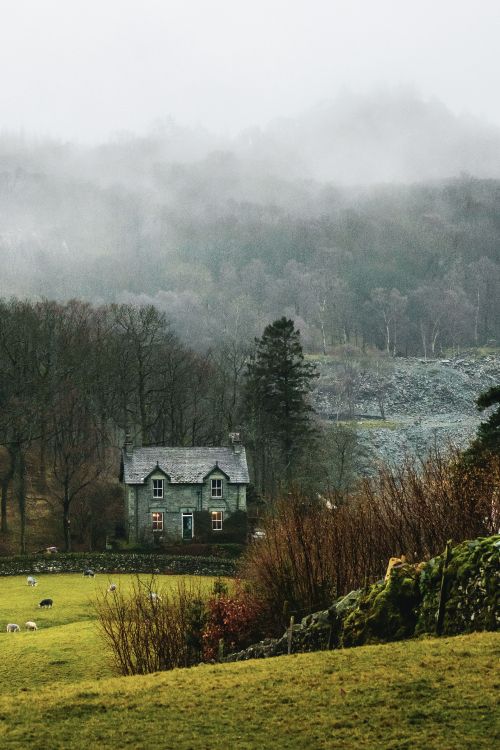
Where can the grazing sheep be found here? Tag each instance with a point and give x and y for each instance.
(112, 587)
(31, 581)
(46, 603)
(30, 625)
(154, 597)
(88, 573)
(13, 628)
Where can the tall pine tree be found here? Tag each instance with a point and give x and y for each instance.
(277, 409)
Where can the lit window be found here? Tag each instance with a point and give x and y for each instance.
(216, 487)
(216, 520)
(157, 521)
(157, 488)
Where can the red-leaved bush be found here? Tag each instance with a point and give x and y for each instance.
(236, 618)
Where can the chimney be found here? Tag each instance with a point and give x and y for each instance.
(235, 440)
(128, 447)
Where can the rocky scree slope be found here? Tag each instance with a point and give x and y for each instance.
(427, 403)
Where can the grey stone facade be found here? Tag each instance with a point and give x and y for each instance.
(165, 487)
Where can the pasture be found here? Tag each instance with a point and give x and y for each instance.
(58, 689)
(418, 695)
(67, 647)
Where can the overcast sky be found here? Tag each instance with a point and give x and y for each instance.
(87, 68)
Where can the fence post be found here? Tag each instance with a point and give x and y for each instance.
(290, 634)
(442, 590)
(220, 654)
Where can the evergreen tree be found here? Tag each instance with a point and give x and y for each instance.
(487, 442)
(278, 413)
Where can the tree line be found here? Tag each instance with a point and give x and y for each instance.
(411, 270)
(75, 378)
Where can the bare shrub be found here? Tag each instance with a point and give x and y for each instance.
(292, 566)
(152, 628)
(316, 549)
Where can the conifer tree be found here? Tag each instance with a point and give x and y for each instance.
(487, 441)
(278, 413)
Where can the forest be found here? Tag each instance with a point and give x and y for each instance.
(138, 274)
(227, 236)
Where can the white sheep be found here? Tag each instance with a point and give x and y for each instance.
(154, 597)
(31, 581)
(13, 628)
(30, 625)
(112, 587)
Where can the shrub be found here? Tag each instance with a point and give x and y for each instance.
(235, 618)
(292, 564)
(152, 628)
(315, 549)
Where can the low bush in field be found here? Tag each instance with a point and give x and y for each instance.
(152, 628)
(234, 620)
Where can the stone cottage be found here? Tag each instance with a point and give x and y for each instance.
(165, 487)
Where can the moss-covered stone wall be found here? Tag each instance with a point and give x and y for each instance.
(406, 604)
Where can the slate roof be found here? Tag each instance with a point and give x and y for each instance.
(184, 465)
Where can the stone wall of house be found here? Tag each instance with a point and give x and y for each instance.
(178, 499)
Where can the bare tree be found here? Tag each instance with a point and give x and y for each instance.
(77, 450)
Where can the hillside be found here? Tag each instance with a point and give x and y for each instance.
(420, 695)
(361, 219)
(426, 403)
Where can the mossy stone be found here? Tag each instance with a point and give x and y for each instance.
(386, 612)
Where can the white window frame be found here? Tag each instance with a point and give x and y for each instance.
(216, 488)
(217, 519)
(157, 520)
(158, 489)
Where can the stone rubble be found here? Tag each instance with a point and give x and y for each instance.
(427, 404)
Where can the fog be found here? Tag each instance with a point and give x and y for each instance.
(88, 69)
(233, 162)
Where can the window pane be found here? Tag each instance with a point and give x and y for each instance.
(216, 487)
(157, 521)
(217, 520)
(157, 487)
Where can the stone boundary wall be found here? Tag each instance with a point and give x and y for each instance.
(404, 605)
(110, 562)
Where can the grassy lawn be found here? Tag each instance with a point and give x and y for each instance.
(57, 689)
(417, 695)
(67, 647)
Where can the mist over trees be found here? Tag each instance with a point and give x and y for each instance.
(225, 236)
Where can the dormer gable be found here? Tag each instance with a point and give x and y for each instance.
(157, 471)
(216, 469)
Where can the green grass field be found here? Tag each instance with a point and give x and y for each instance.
(67, 647)
(56, 690)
